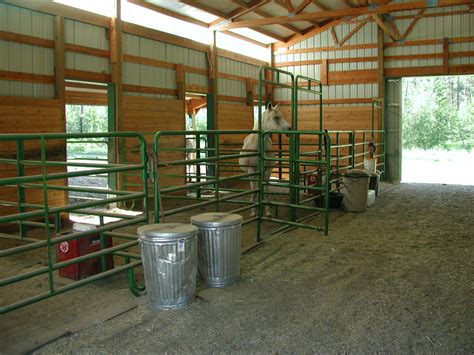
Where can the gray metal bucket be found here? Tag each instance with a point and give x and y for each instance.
(169, 257)
(219, 247)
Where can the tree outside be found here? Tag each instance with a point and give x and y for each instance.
(86, 119)
(438, 129)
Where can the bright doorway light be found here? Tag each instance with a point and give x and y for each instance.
(144, 17)
(438, 130)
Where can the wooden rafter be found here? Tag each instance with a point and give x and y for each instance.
(264, 14)
(355, 11)
(383, 26)
(289, 6)
(301, 7)
(412, 24)
(222, 16)
(314, 31)
(251, 7)
(334, 36)
(394, 28)
(354, 30)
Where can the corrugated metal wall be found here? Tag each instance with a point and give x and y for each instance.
(25, 58)
(230, 87)
(90, 36)
(145, 75)
(366, 35)
(451, 26)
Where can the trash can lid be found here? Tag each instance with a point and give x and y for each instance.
(356, 173)
(167, 231)
(216, 219)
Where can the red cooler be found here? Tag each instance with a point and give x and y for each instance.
(77, 247)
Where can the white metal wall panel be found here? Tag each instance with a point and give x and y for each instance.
(230, 87)
(26, 58)
(146, 75)
(459, 25)
(366, 35)
(83, 34)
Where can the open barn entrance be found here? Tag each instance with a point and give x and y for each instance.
(86, 119)
(438, 130)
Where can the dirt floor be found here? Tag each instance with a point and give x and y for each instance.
(395, 279)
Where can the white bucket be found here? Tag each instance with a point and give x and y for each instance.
(370, 165)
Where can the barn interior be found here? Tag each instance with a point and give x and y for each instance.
(116, 114)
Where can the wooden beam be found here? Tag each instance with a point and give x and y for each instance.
(298, 38)
(380, 64)
(239, 57)
(180, 81)
(355, 11)
(249, 89)
(19, 38)
(334, 36)
(389, 58)
(213, 81)
(324, 72)
(26, 77)
(394, 28)
(289, 6)
(149, 90)
(412, 24)
(301, 7)
(330, 61)
(251, 7)
(60, 67)
(383, 26)
(354, 30)
(328, 49)
(116, 62)
(95, 52)
(83, 75)
(263, 14)
(446, 56)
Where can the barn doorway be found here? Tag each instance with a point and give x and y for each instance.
(86, 119)
(438, 130)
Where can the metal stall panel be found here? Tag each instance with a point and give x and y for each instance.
(25, 58)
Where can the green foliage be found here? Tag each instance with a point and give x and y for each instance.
(438, 113)
(86, 119)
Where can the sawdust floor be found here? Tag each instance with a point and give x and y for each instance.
(397, 278)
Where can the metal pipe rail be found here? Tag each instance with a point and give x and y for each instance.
(35, 152)
(205, 188)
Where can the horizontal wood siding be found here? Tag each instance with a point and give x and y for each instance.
(150, 115)
(22, 115)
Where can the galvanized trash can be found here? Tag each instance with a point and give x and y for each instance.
(356, 188)
(219, 247)
(169, 257)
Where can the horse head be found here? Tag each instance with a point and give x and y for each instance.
(274, 120)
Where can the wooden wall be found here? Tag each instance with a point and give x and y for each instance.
(148, 116)
(24, 115)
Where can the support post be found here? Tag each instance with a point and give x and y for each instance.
(324, 72)
(446, 56)
(116, 63)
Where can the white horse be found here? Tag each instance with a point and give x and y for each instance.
(272, 120)
(190, 155)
